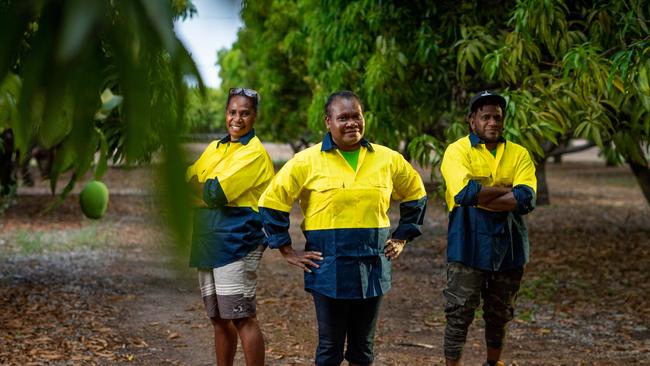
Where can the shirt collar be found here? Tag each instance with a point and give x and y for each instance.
(329, 144)
(244, 139)
(475, 140)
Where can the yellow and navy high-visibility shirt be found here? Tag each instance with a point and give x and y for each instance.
(478, 237)
(345, 214)
(234, 173)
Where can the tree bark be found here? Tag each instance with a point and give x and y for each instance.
(7, 163)
(543, 198)
(642, 174)
(557, 159)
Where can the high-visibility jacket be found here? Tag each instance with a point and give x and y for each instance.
(478, 237)
(234, 173)
(345, 214)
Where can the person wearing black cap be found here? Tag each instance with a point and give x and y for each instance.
(490, 185)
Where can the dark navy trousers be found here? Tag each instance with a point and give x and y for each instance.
(338, 319)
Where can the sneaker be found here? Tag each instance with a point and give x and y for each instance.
(499, 363)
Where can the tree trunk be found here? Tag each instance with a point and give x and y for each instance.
(642, 174)
(7, 161)
(543, 198)
(557, 159)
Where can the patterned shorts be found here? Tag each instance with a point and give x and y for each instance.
(229, 292)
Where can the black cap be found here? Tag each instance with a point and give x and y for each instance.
(494, 97)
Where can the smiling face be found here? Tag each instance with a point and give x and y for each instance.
(487, 123)
(345, 121)
(240, 116)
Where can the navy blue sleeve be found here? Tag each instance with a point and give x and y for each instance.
(276, 226)
(213, 194)
(525, 197)
(468, 196)
(411, 219)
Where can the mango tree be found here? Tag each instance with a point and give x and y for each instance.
(569, 69)
(573, 70)
(83, 77)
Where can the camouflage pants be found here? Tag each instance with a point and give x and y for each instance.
(465, 288)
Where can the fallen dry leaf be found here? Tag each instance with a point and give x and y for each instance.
(173, 335)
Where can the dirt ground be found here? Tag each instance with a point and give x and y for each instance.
(116, 291)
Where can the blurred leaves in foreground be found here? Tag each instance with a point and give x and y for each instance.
(93, 81)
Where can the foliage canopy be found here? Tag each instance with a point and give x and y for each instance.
(568, 68)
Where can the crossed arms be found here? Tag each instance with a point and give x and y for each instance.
(466, 188)
(497, 198)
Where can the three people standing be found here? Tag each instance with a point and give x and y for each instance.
(344, 185)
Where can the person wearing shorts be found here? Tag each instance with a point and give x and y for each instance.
(227, 239)
(229, 291)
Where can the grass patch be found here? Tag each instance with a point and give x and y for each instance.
(533, 292)
(620, 181)
(542, 287)
(25, 242)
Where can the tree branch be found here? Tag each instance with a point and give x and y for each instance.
(569, 150)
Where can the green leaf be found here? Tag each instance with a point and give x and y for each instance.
(159, 14)
(63, 160)
(102, 164)
(401, 58)
(57, 119)
(578, 130)
(61, 198)
(642, 80)
(596, 137)
(35, 70)
(379, 41)
(11, 84)
(15, 23)
(79, 20)
(9, 94)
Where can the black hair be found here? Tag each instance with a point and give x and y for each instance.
(488, 100)
(344, 94)
(255, 100)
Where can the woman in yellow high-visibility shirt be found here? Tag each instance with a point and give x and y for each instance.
(227, 240)
(344, 185)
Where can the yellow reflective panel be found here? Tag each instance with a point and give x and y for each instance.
(512, 166)
(333, 196)
(243, 171)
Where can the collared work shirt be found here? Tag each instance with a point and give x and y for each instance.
(345, 214)
(479, 237)
(234, 173)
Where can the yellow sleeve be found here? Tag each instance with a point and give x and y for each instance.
(455, 169)
(407, 183)
(248, 169)
(525, 172)
(193, 170)
(285, 186)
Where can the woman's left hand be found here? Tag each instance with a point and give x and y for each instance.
(394, 248)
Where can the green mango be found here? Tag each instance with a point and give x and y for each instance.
(94, 199)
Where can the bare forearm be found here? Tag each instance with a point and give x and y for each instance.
(196, 187)
(504, 202)
(488, 194)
